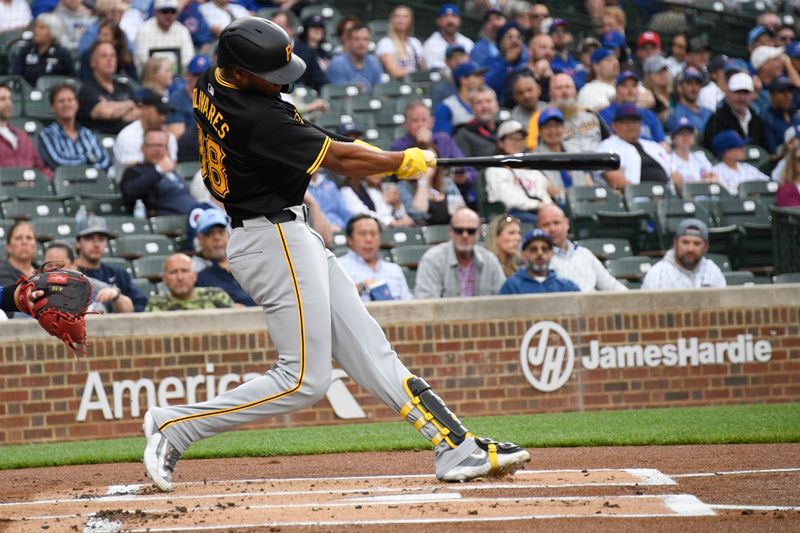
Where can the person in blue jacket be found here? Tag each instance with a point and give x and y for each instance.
(535, 276)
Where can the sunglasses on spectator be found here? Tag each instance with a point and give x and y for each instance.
(168, 10)
(461, 231)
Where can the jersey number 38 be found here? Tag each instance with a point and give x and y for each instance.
(211, 156)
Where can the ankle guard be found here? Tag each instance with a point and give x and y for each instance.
(430, 416)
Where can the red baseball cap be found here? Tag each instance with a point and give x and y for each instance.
(648, 37)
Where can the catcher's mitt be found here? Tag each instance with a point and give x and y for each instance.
(61, 311)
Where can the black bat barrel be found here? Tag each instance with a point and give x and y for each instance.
(593, 161)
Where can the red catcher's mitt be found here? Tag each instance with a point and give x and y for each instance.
(61, 311)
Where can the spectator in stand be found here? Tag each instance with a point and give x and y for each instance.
(163, 31)
(446, 86)
(562, 41)
(485, 49)
(75, 17)
(793, 51)
(459, 267)
(313, 76)
(519, 12)
(368, 195)
(503, 237)
(432, 199)
(698, 53)
(540, 13)
(648, 44)
(110, 32)
(212, 238)
(551, 141)
(419, 133)
(129, 142)
(688, 166)
(541, 52)
(107, 12)
(191, 17)
(20, 253)
(658, 81)
(759, 36)
(157, 77)
(219, 13)
(105, 298)
(16, 148)
(770, 63)
(522, 191)
(791, 141)
(676, 62)
(789, 191)
(90, 244)
(782, 112)
(310, 47)
(455, 110)
(735, 113)
(448, 22)
(180, 279)
(685, 265)
(713, 92)
(356, 65)
(65, 142)
(330, 200)
(583, 128)
(14, 15)
(44, 56)
(154, 180)
(512, 58)
(375, 278)
(627, 93)
(106, 104)
(613, 20)
(601, 91)
(181, 118)
(728, 147)
(688, 88)
(641, 160)
(342, 27)
(535, 275)
(615, 41)
(583, 70)
(571, 261)
(477, 137)
(526, 92)
(400, 52)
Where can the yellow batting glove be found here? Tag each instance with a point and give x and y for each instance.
(415, 162)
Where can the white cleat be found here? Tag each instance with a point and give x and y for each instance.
(160, 456)
(492, 459)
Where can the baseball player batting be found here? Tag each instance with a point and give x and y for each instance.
(258, 155)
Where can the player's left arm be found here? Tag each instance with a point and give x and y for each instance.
(8, 298)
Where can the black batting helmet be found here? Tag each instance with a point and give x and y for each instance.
(260, 47)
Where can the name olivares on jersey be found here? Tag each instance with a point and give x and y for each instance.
(202, 102)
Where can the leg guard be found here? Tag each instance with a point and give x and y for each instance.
(430, 416)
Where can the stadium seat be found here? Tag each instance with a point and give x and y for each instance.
(28, 209)
(128, 225)
(645, 192)
(631, 268)
(334, 91)
(146, 287)
(120, 262)
(37, 105)
(392, 237)
(107, 141)
(83, 181)
(339, 251)
(393, 89)
(721, 260)
(605, 249)
(709, 194)
(136, 246)
(187, 169)
(338, 239)
(5, 225)
(363, 103)
(741, 211)
(328, 12)
(628, 225)
(150, 267)
(723, 239)
(758, 157)
(9, 175)
(436, 234)
(44, 83)
(741, 277)
(672, 211)
(171, 226)
(378, 28)
(19, 87)
(486, 209)
(29, 125)
(50, 228)
(409, 256)
(411, 278)
(389, 117)
(789, 277)
(105, 206)
(763, 190)
(39, 189)
(583, 204)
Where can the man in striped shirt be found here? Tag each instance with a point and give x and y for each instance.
(65, 142)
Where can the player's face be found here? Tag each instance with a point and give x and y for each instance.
(92, 247)
(214, 243)
(509, 238)
(366, 239)
(552, 132)
(527, 92)
(465, 228)
(5, 104)
(65, 105)
(689, 250)
(22, 246)
(179, 276)
(554, 223)
(537, 256)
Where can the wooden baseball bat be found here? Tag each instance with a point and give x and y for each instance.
(590, 161)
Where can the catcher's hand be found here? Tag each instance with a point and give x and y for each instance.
(58, 299)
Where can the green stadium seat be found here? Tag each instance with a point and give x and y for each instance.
(107, 141)
(387, 116)
(411, 278)
(741, 277)
(672, 211)
(51, 228)
(758, 157)
(19, 87)
(136, 246)
(83, 181)
(409, 256)
(334, 91)
(150, 267)
(628, 225)
(721, 260)
(338, 239)
(29, 209)
(741, 211)
(709, 194)
(37, 105)
(10, 175)
(120, 262)
(364, 103)
(723, 239)
(128, 225)
(187, 169)
(393, 89)
(379, 28)
(109, 205)
(339, 251)
(763, 190)
(436, 234)
(171, 225)
(39, 189)
(44, 83)
(392, 237)
(5, 225)
(328, 12)
(605, 249)
(30, 126)
(645, 192)
(146, 287)
(789, 277)
(631, 268)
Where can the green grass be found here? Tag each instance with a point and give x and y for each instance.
(756, 423)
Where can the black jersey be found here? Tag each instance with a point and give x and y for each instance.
(257, 155)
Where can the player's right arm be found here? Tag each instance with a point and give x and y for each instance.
(356, 160)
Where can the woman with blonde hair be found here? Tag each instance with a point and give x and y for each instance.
(658, 80)
(157, 75)
(788, 194)
(400, 52)
(503, 237)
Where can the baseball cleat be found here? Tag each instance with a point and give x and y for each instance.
(160, 456)
(490, 459)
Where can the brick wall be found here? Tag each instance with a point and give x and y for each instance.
(469, 353)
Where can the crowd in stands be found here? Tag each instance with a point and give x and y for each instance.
(676, 109)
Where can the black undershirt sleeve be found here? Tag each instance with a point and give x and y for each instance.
(7, 302)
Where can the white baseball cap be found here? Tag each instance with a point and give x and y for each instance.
(741, 82)
(762, 54)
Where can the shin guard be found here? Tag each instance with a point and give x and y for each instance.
(430, 416)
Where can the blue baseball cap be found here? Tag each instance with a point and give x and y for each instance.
(781, 83)
(736, 65)
(691, 74)
(467, 69)
(677, 125)
(448, 9)
(454, 49)
(198, 65)
(505, 29)
(727, 140)
(793, 49)
(536, 235)
(755, 33)
(627, 75)
(550, 113)
(627, 112)
(557, 23)
(210, 218)
(600, 54)
(612, 39)
(349, 129)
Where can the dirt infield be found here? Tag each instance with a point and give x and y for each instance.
(666, 488)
